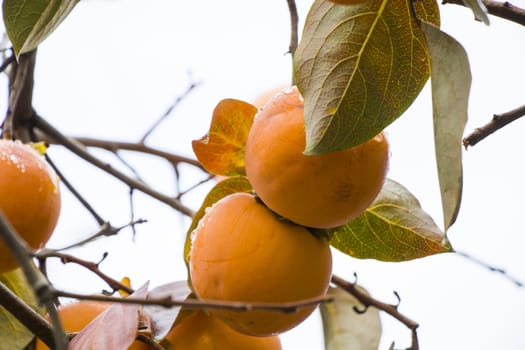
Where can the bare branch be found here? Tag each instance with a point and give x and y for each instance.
(43, 290)
(105, 230)
(503, 10)
(391, 309)
(115, 146)
(6, 63)
(498, 121)
(74, 146)
(499, 270)
(20, 97)
(75, 193)
(168, 111)
(91, 266)
(284, 307)
(26, 315)
(294, 22)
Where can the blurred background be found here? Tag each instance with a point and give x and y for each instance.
(114, 67)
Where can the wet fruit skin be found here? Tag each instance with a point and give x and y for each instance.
(200, 331)
(243, 252)
(29, 196)
(321, 191)
(77, 315)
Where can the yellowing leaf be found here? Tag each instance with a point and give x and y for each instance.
(127, 282)
(221, 190)
(345, 329)
(359, 68)
(450, 80)
(29, 22)
(393, 228)
(221, 151)
(13, 335)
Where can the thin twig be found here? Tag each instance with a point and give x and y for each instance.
(170, 109)
(75, 193)
(498, 121)
(115, 146)
(31, 319)
(499, 270)
(284, 307)
(74, 146)
(41, 287)
(91, 266)
(391, 309)
(294, 23)
(105, 230)
(7, 62)
(503, 10)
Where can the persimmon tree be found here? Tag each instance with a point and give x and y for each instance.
(358, 66)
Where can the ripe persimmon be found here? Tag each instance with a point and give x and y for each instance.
(77, 315)
(321, 191)
(200, 331)
(242, 252)
(261, 99)
(29, 196)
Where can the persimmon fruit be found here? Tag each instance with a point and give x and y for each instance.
(320, 191)
(200, 331)
(242, 252)
(77, 315)
(29, 196)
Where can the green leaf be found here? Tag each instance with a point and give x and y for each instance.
(450, 80)
(13, 334)
(222, 189)
(359, 68)
(393, 228)
(29, 22)
(344, 328)
(479, 10)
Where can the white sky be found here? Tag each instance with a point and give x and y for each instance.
(114, 67)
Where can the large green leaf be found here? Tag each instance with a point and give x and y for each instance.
(29, 22)
(13, 335)
(450, 80)
(393, 228)
(359, 68)
(344, 328)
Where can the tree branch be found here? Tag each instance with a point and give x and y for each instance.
(390, 309)
(498, 121)
(26, 315)
(503, 10)
(115, 146)
(284, 307)
(20, 108)
(7, 62)
(491, 268)
(91, 266)
(55, 136)
(41, 287)
(294, 22)
(168, 111)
